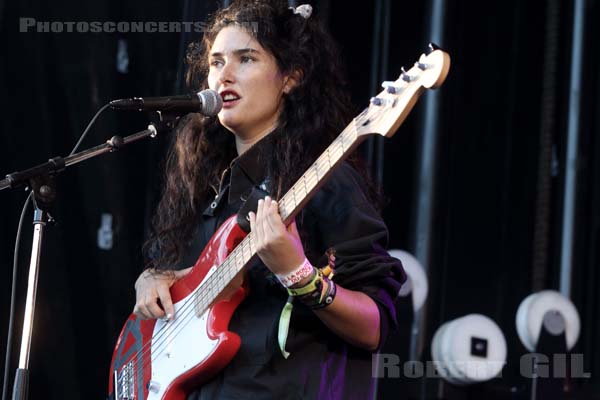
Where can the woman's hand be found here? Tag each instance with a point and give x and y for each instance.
(152, 286)
(278, 247)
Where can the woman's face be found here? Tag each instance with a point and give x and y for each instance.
(249, 81)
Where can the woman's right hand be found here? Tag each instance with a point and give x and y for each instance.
(152, 286)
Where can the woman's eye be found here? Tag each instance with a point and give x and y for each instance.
(216, 63)
(245, 59)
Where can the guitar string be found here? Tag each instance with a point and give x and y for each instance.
(159, 340)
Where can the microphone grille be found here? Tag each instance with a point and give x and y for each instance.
(211, 102)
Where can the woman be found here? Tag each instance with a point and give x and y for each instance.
(276, 70)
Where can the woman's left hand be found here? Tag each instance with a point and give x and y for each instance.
(278, 247)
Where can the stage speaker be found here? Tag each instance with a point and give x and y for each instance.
(468, 350)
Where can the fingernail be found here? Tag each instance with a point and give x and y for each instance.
(168, 317)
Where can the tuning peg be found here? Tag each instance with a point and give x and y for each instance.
(421, 66)
(389, 87)
(376, 101)
(405, 76)
(432, 47)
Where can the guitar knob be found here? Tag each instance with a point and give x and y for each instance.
(421, 66)
(153, 386)
(432, 47)
(405, 76)
(389, 87)
(376, 101)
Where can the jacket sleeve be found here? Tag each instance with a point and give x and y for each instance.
(340, 217)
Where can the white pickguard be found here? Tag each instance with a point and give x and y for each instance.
(178, 345)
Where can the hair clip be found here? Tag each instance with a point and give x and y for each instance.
(304, 10)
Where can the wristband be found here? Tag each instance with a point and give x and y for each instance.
(321, 297)
(315, 284)
(326, 298)
(311, 295)
(303, 271)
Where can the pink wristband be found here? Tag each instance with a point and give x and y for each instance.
(303, 271)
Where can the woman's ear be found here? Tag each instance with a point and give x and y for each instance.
(292, 80)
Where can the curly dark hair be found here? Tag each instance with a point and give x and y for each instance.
(313, 114)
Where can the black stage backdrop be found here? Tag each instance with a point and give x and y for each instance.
(484, 241)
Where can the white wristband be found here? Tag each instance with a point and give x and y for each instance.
(304, 270)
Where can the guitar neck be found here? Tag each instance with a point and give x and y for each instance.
(318, 173)
(304, 189)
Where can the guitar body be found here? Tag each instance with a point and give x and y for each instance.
(154, 359)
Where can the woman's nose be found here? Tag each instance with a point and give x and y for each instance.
(227, 73)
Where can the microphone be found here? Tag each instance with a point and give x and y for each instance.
(207, 102)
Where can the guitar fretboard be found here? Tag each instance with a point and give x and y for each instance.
(301, 192)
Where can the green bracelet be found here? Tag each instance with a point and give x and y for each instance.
(315, 283)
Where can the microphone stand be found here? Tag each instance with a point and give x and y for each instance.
(41, 181)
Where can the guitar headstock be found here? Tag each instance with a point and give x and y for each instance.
(393, 104)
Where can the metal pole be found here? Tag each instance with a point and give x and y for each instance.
(21, 384)
(426, 181)
(570, 187)
(543, 205)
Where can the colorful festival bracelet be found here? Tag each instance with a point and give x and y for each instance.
(312, 295)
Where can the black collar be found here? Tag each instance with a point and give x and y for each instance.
(249, 170)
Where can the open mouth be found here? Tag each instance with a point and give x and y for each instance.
(229, 97)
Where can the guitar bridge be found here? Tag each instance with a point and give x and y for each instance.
(124, 382)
